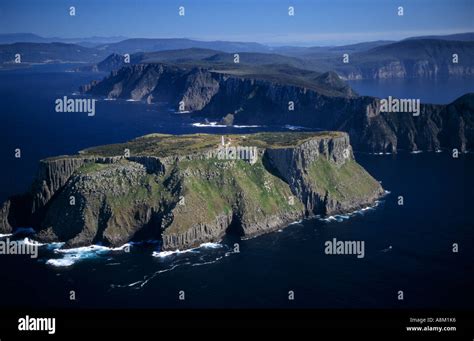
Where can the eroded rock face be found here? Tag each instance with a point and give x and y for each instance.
(5, 227)
(109, 204)
(186, 200)
(296, 166)
(437, 126)
(421, 68)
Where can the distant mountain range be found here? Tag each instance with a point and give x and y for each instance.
(148, 45)
(417, 57)
(34, 38)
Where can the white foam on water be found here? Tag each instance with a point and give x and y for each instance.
(416, 152)
(291, 127)
(61, 262)
(209, 262)
(207, 125)
(28, 241)
(341, 217)
(246, 126)
(6, 235)
(134, 283)
(49, 246)
(216, 125)
(71, 256)
(91, 248)
(163, 254)
(210, 245)
(146, 279)
(54, 246)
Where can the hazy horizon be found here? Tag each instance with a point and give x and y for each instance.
(296, 44)
(321, 23)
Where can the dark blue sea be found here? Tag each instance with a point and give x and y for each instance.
(407, 247)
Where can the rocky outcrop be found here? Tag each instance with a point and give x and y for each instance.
(192, 198)
(295, 165)
(406, 69)
(109, 204)
(197, 234)
(436, 127)
(196, 87)
(53, 174)
(5, 227)
(415, 58)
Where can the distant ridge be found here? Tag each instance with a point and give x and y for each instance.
(468, 36)
(10, 38)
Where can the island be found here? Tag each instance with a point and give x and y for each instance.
(185, 190)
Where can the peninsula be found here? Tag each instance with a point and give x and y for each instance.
(190, 189)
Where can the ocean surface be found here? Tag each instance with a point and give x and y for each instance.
(436, 91)
(407, 247)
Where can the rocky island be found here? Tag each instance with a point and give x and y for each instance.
(190, 189)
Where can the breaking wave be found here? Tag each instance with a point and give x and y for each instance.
(341, 217)
(74, 255)
(204, 254)
(217, 125)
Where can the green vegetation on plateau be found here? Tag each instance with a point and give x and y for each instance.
(162, 145)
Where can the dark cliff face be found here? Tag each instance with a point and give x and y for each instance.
(172, 83)
(328, 104)
(436, 127)
(418, 58)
